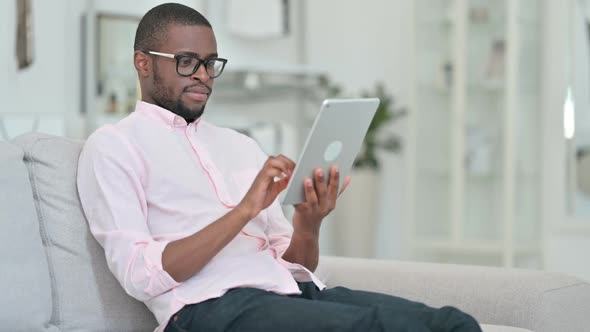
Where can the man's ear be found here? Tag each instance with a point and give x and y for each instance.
(142, 63)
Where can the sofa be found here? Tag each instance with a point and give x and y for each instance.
(54, 276)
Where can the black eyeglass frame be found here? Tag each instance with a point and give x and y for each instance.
(177, 57)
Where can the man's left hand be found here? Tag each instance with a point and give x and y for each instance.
(320, 200)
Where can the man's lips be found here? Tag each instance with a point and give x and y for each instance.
(197, 93)
(197, 96)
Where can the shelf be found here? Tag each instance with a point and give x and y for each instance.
(470, 190)
(528, 175)
(501, 20)
(241, 82)
(495, 20)
(486, 86)
(482, 86)
(444, 20)
(274, 69)
(438, 88)
(482, 177)
(444, 173)
(571, 228)
(433, 171)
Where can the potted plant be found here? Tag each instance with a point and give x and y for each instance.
(375, 138)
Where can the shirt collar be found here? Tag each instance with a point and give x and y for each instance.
(162, 115)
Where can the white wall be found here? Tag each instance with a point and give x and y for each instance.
(343, 35)
(41, 87)
(244, 52)
(136, 8)
(44, 87)
(7, 55)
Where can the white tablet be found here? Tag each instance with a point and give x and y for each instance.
(335, 139)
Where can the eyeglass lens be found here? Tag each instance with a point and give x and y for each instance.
(187, 66)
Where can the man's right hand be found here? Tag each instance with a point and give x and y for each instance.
(185, 257)
(265, 189)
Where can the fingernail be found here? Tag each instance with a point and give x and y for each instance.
(307, 182)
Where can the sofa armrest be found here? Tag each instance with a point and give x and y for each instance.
(535, 300)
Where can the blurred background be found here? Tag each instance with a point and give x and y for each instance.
(481, 150)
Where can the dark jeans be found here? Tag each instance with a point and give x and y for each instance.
(335, 309)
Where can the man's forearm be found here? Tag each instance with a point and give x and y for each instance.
(185, 257)
(304, 246)
(304, 251)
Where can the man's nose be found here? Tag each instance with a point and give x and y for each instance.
(201, 74)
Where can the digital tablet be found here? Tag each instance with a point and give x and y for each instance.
(335, 139)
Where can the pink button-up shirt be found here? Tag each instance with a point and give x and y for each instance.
(151, 179)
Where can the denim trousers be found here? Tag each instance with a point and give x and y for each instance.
(334, 309)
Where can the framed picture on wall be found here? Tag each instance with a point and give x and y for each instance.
(117, 87)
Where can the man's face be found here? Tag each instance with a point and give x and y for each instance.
(184, 96)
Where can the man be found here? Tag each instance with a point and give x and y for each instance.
(187, 212)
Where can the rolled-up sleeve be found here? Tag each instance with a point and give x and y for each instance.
(110, 175)
(279, 229)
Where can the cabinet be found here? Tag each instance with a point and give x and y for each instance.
(474, 132)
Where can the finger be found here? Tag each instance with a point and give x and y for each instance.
(333, 187)
(290, 163)
(267, 181)
(280, 163)
(310, 196)
(268, 173)
(346, 183)
(321, 189)
(278, 186)
(283, 182)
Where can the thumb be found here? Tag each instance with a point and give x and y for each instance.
(346, 183)
(281, 184)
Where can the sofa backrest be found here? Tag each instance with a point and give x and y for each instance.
(25, 303)
(85, 295)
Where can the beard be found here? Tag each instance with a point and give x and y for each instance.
(163, 97)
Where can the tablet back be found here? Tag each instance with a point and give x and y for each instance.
(335, 139)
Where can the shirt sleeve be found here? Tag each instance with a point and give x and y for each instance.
(279, 230)
(113, 199)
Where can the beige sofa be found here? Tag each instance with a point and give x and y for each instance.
(54, 277)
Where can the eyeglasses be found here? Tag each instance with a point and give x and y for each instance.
(186, 65)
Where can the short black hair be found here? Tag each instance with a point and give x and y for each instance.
(153, 26)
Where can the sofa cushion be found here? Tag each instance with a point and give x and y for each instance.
(86, 296)
(501, 328)
(528, 299)
(24, 281)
